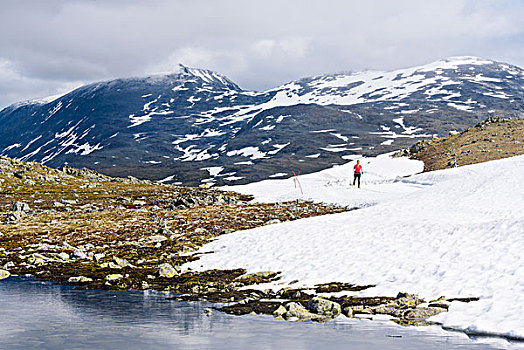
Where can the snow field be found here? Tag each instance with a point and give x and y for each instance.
(453, 233)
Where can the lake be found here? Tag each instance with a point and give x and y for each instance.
(41, 315)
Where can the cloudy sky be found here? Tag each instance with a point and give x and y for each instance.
(47, 47)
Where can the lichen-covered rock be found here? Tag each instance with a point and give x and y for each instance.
(361, 309)
(168, 271)
(422, 312)
(324, 307)
(297, 312)
(114, 277)
(4, 274)
(279, 313)
(79, 279)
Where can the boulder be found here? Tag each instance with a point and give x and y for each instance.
(114, 277)
(168, 271)
(324, 307)
(79, 279)
(297, 312)
(4, 274)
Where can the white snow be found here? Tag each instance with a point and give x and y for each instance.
(251, 152)
(214, 170)
(454, 233)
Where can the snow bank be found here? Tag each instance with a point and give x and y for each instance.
(454, 233)
(381, 180)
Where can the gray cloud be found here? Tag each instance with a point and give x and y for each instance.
(46, 47)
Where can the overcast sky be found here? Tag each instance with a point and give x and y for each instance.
(49, 46)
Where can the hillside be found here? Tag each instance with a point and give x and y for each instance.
(195, 125)
(492, 139)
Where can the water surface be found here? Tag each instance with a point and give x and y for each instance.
(38, 315)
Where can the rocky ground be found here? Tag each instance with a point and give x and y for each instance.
(492, 139)
(81, 228)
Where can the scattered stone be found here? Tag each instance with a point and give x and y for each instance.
(114, 277)
(9, 265)
(63, 256)
(80, 279)
(324, 307)
(168, 271)
(348, 312)
(99, 256)
(79, 254)
(121, 263)
(208, 312)
(21, 206)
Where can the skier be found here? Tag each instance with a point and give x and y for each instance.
(358, 171)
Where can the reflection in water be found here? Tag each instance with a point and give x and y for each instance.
(45, 316)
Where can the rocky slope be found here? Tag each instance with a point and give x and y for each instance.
(196, 125)
(494, 138)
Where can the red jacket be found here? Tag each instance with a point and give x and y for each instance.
(358, 169)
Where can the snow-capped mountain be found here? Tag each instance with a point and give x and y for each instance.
(196, 125)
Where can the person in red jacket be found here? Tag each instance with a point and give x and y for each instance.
(357, 173)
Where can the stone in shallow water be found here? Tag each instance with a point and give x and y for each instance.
(324, 307)
(4, 274)
(79, 279)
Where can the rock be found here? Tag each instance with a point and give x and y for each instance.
(114, 277)
(274, 221)
(279, 313)
(63, 256)
(208, 311)
(99, 256)
(79, 254)
(122, 262)
(297, 312)
(58, 204)
(324, 307)
(422, 312)
(157, 239)
(14, 217)
(4, 274)
(168, 271)
(9, 265)
(80, 279)
(21, 206)
(348, 312)
(396, 307)
(361, 309)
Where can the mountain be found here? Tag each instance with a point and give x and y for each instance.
(196, 125)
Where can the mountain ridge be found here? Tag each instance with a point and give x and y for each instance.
(174, 127)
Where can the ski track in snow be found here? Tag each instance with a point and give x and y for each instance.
(454, 233)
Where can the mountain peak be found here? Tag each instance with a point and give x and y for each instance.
(207, 76)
